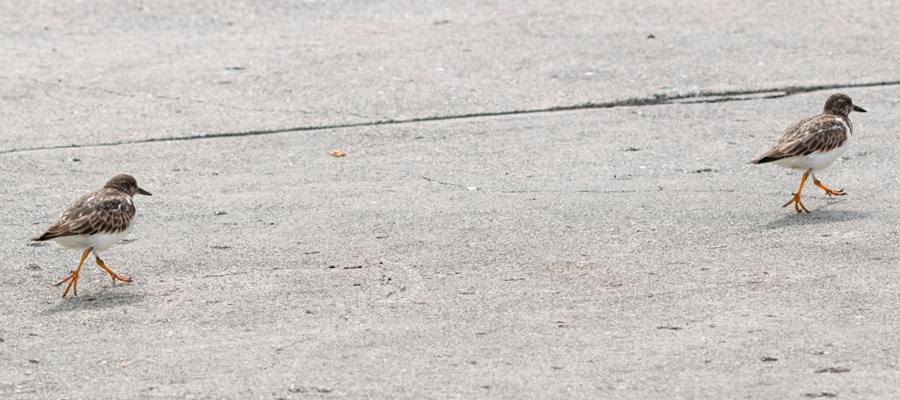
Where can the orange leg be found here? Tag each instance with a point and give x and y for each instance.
(796, 199)
(73, 279)
(111, 273)
(827, 190)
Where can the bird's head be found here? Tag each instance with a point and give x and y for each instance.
(127, 184)
(841, 104)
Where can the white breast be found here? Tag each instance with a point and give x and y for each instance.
(99, 241)
(819, 160)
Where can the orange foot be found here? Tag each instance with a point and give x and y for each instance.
(114, 275)
(827, 190)
(796, 199)
(73, 279)
(797, 203)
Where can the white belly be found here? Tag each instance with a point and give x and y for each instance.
(99, 241)
(816, 161)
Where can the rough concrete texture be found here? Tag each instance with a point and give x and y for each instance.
(563, 252)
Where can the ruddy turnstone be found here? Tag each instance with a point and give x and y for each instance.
(95, 222)
(812, 144)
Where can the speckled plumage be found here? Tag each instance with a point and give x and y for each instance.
(96, 221)
(108, 210)
(822, 133)
(814, 143)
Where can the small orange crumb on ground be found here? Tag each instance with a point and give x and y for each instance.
(338, 153)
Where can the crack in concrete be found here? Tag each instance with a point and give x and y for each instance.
(654, 100)
(443, 183)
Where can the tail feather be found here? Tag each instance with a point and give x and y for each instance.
(44, 236)
(764, 160)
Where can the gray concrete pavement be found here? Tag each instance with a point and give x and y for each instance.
(99, 73)
(627, 252)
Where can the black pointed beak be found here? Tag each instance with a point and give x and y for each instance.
(146, 193)
(858, 108)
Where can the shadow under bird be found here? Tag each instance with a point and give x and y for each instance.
(814, 143)
(94, 222)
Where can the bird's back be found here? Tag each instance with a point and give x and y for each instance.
(104, 211)
(819, 134)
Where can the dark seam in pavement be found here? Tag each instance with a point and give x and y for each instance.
(442, 183)
(656, 99)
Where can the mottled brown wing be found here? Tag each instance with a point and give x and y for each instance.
(98, 212)
(817, 134)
